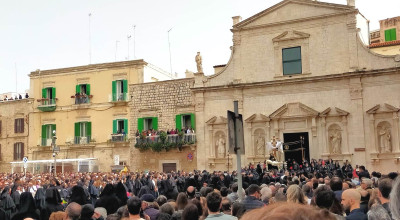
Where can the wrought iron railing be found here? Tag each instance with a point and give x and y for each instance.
(118, 138)
(82, 139)
(171, 138)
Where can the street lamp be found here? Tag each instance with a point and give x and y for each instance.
(54, 147)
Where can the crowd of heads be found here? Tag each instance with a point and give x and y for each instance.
(153, 132)
(16, 97)
(268, 193)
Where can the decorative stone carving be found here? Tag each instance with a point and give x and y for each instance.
(335, 139)
(260, 144)
(199, 63)
(220, 145)
(384, 134)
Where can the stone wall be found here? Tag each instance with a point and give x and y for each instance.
(163, 100)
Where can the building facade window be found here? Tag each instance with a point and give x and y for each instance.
(82, 93)
(0, 127)
(49, 95)
(291, 60)
(18, 151)
(19, 125)
(120, 126)
(48, 134)
(119, 90)
(147, 123)
(390, 34)
(83, 132)
(185, 121)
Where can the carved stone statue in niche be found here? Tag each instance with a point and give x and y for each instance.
(385, 144)
(220, 144)
(260, 144)
(335, 140)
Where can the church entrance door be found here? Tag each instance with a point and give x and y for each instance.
(292, 146)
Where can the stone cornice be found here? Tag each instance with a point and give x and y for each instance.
(91, 67)
(289, 81)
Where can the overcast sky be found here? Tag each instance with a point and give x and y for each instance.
(46, 34)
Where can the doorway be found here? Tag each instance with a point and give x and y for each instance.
(168, 167)
(293, 152)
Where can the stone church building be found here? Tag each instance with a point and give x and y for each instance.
(301, 71)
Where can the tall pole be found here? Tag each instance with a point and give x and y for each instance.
(134, 41)
(116, 49)
(169, 46)
(90, 41)
(129, 37)
(238, 155)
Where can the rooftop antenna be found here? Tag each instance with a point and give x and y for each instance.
(129, 37)
(134, 41)
(116, 49)
(169, 46)
(90, 41)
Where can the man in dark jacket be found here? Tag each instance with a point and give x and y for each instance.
(252, 201)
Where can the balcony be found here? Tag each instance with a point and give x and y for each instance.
(82, 99)
(163, 141)
(82, 139)
(46, 142)
(118, 138)
(47, 105)
(119, 97)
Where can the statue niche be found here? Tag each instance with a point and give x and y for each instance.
(220, 145)
(259, 143)
(384, 137)
(335, 139)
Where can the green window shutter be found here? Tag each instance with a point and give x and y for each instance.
(125, 86)
(155, 123)
(387, 35)
(89, 128)
(140, 123)
(393, 34)
(77, 129)
(193, 121)
(87, 89)
(44, 133)
(53, 92)
(44, 93)
(178, 122)
(78, 89)
(114, 90)
(53, 128)
(126, 126)
(115, 126)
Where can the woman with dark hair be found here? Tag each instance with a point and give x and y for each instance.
(15, 195)
(181, 201)
(78, 195)
(7, 203)
(53, 203)
(238, 209)
(120, 192)
(28, 208)
(144, 190)
(108, 199)
(190, 212)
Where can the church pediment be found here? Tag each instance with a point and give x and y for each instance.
(292, 110)
(257, 118)
(333, 112)
(217, 120)
(290, 35)
(293, 10)
(382, 109)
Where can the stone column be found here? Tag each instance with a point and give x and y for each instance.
(211, 138)
(373, 135)
(250, 139)
(345, 142)
(395, 133)
(324, 138)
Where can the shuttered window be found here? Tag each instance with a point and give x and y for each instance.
(185, 121)
(147, 123)
(19, 125)
(390, 34)
(120, 126)
(119, 90)
(291, 60)
(18, 151)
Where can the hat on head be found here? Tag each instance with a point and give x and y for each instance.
(147, 198)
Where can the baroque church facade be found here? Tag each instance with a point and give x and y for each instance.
(301, 72)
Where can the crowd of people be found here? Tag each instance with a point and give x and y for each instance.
(6, 98)
(322, 190)
(152, 132)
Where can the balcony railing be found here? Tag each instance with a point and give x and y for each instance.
(171, 138)
(82, 139)
(46, 141)
(47, 105)
(118, 138)
(119, 97)
(82, 99)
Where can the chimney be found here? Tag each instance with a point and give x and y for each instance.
(351, 3)
(236, 19)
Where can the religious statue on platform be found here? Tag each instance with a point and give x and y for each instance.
(220, 144)
(335, 139)
(199, 63)
(385, 140)
(275, 148)
(260, 143)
